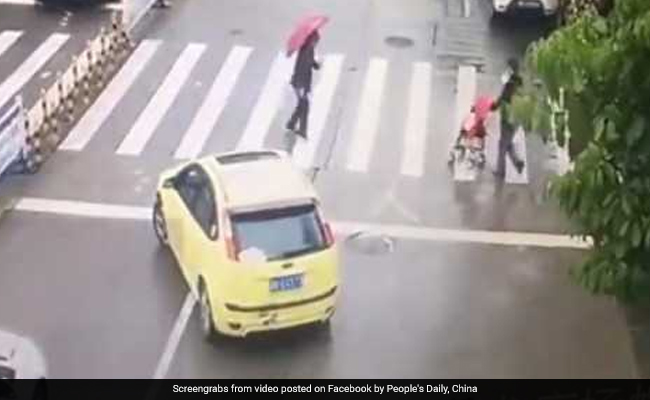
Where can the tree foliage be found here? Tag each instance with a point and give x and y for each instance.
(602, 64)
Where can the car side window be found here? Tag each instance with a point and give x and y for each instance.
(188, 184)
(205, 210)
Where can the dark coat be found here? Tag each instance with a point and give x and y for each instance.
(507, 93)
(303, 69)
(509, 90)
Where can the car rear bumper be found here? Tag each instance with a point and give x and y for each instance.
(523, 6)
(241, 321)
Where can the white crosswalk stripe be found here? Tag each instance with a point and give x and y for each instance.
(466, 93)
(8, 38)
(12, 85)
(110, 97)
(146, 124)
(365, 131)
(252, 128)
(267, 105)
(32, 3)
(305, 151)
(512, 175)
(415, 133)
(216, 100)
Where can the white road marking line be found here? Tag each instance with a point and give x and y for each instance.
(304, 152)
(114, 6)
(502, 238)
(465, 95)
(93, 119)
(83, 209)
(365, 131)
(519, 144)
(31, 65)
(267, 105)
(109, 6)
(110, 211)
(466, 9)
(150, 118)
(175, 337)
(8, 38)
(208, 115)
(415, 136)
(19, 2)
(492, 142)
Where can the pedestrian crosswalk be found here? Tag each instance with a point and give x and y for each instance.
(365, 130)
(253, 84)
(25, 71)
(93, 119)
(417, 119)
(160, 103)
(214, 104)
(267, 105)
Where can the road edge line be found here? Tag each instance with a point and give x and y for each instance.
(449, 235)
(174, 339)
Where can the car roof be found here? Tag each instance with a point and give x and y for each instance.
(255, 180)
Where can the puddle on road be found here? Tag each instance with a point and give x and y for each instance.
(370, 243)
(399, 42)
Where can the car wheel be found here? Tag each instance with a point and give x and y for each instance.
(205, 313)
(495, 17)
(324, 328)
(159, 224)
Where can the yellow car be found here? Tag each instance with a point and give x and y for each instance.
(251, 240)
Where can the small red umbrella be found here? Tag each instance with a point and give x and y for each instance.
(483, 107)
(302, 31)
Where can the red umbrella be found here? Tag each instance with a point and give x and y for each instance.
(305, 28)
(483, 107)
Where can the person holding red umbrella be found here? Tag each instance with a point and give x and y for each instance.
(304, 39)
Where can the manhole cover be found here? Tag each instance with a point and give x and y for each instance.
(399, 42)
(370, 243)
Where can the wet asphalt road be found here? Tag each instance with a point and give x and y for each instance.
(101, 298)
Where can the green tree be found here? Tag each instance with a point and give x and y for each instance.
(602, 64)
(572, 9)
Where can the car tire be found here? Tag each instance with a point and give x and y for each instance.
(324, 328)
(205, 314)
(496, 17)
(159, 224)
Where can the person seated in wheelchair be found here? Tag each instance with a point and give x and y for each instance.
(473, 132)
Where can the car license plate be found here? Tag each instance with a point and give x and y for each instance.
(529, 4)
(284, 283)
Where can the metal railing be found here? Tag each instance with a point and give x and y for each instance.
(86, 73)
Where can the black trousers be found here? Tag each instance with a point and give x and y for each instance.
(300, 114)
(506, 147)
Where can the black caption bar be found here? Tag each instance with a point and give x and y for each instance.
(451, 389)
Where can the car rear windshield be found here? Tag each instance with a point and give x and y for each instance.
(279, 234)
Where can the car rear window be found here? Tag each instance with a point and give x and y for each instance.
(279, 234)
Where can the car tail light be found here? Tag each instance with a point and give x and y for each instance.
(232, 248)
(329, 235)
